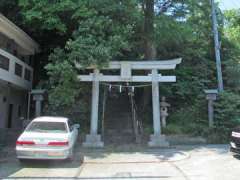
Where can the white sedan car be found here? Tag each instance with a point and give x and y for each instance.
(47, 138)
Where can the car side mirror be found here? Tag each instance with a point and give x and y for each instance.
(77, 126)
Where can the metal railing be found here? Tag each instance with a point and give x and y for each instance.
(137, 123)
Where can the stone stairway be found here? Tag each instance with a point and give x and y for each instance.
(118, 128)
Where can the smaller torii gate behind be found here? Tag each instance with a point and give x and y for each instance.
(157, 139)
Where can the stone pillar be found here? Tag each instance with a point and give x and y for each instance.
(94, 139)
(155, 103)
(38, 97)
(211, 96)
(156, 139)
(210, 113)
(95, 103)
(38, 107)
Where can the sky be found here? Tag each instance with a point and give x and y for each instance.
(229, 4)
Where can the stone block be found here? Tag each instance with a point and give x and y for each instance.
(93, 141)
(158, 141)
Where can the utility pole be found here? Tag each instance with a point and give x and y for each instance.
(217, 47)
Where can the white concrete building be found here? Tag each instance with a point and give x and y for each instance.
(16, 72)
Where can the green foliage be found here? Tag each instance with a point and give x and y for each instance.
(98, 40)
(48, 14)
(227, 109)
(63, 83)
(227, 116)
(94, 32)
(233, 74)
(189, 119)
(233, 26)
(232, 49)
(100, 31)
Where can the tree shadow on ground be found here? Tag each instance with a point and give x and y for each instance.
(10, 166)
(172, 153)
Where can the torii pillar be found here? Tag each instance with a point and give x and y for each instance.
(94, 139)
(157, 139)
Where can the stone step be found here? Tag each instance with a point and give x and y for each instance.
(125, 132)
(118, 126)
(118, 121)
(119, 140)
(118, 111)
(118, 116)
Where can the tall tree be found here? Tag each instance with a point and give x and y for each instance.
(149, 16)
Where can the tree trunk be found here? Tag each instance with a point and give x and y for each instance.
(149, 46)
(149, 49)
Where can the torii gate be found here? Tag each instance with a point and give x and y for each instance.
(157, 139)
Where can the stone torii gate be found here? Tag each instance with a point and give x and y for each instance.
(157, 139)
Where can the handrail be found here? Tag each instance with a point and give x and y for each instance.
(137, 124)
(105, 96)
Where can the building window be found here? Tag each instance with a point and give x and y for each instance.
(4, 63)
(27, 75)
(18, 69)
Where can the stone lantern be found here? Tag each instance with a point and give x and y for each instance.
(164, 111)
(211, 96)
(38, 97)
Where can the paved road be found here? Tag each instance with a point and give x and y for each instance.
(211, 162)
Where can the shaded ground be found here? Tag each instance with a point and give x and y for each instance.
(209, 162)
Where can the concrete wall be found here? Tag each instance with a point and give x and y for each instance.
(16, 97)
(10, 46)
(10, 75)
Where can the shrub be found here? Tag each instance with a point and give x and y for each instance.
(227, 116)
(190, 120)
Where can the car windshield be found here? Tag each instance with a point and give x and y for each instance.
(47, 127)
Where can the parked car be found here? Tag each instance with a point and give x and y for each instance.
(235, 141)
(47, 138)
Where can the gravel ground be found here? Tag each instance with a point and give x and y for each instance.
(203, 162)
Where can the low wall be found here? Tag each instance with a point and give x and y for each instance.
(185, 140)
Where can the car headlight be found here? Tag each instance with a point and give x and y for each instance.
(233, 144)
